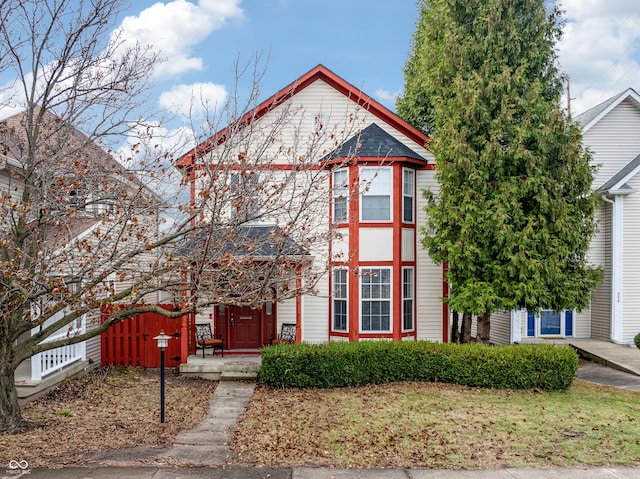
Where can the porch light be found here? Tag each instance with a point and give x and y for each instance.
(163, 342)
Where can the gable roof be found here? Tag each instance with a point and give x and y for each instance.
(595, 114)
(617, 183)
(373, 142)
(322, 73)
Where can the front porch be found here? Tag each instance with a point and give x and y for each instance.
(238, 366)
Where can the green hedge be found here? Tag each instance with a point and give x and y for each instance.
(339, 364)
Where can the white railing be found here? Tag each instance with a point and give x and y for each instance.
(53, 360)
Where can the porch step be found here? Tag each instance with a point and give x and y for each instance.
(218, 368)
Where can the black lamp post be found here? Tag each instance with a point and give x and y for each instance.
(163, 341)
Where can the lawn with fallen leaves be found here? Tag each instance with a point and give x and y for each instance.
(107, 409)
(421, 425)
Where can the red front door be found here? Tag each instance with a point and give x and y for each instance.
(244, 328)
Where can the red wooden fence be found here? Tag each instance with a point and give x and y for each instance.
(130, 342)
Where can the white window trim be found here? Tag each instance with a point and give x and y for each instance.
(563, 323)
(334, 196)
(412, 298)
(365, 187)
(413, 196)
(360, 299)
(333, 298)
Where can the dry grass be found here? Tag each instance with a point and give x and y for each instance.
(394, 425)
(105, 410)
(440, 426)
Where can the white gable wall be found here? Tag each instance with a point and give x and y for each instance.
(614, 140)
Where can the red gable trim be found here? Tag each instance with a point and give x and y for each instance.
(320, 72)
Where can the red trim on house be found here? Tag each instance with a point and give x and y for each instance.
(318, 73)
(298, 305)
(354, 253)
(397, 250)
(445, 305)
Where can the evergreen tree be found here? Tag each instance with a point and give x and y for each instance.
(514, 215)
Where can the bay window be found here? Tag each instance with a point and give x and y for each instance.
(340, 300)
(375, 203)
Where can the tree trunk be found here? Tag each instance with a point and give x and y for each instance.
(465, 333)
(454, 327)
(484, 328)
(10, 418)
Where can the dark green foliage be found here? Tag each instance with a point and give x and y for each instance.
(340, 364)
(636, 340)
(514, 214)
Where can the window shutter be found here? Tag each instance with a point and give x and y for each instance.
(568, 323)
(531, 324)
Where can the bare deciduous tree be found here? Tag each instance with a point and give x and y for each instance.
(81, 232)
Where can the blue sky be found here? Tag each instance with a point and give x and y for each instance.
(364, 41)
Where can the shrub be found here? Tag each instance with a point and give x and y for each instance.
(339, 364)
(636, 340)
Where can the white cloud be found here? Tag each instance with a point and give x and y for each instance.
(386, 97)
(174, 28)
(193, 100)
(600, 49)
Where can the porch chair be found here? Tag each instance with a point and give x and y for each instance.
(287, 334)
(206, 339)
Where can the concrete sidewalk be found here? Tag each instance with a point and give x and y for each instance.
(313, 473)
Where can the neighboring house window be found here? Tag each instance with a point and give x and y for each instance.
(408, 195)
(376, 194)
(550, 323)
(407, 299)
(319, 124)
(244, 195)
(375, 302)
(340, 300)
(340, 196)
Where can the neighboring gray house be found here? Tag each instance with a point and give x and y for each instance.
(611, 131)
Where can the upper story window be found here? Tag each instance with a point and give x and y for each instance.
(340, 196)
(408, 195)
(244, 195)
(375, 204)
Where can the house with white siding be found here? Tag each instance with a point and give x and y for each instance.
(380, 282)
(611, 132)
(375, 280)
(88, 183)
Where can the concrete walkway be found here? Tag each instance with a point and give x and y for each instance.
(208, 443)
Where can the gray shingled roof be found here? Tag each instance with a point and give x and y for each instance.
(586, 117)
(620, 175)
(373, 142)
(249, 240)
